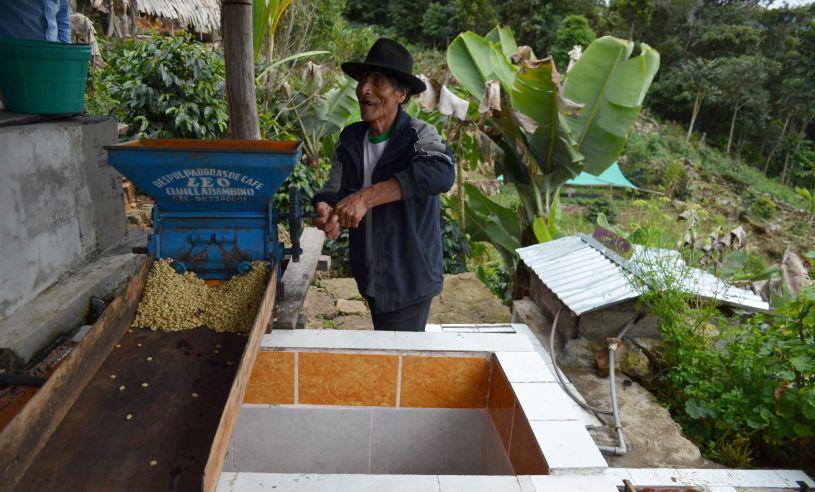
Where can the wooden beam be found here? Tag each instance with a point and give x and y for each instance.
(28, 432)
(297, 279)
(223, 435)
(239, 59)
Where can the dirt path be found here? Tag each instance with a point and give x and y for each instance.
(336, 304)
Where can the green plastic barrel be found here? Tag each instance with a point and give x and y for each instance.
(41, 77)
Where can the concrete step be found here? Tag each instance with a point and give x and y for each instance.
(66, 304)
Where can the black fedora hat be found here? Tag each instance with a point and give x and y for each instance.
(391, 58)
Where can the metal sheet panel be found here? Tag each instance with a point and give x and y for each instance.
(586, 277)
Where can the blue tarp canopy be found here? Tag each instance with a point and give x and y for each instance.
(612, 176)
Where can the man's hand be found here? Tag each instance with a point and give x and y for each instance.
(326, 220)
(352, 209)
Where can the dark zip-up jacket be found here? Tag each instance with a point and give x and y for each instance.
(409, 265)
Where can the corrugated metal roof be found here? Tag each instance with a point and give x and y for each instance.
(587, 276)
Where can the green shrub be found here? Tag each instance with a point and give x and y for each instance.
(573, 30)
(596, 206)
(763, 206)
(675, 179)
(743, 389)
(308, 180)
(164, 87)
(645, 156)
(495, 276)
(454, 243)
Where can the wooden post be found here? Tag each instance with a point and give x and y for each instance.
(240, 74)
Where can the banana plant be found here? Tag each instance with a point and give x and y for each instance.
(319, 115)
(548, 131)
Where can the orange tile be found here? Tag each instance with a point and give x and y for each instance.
(524, 452)
(501, 403)
(444, 382)
(272, 379)
(347, 379)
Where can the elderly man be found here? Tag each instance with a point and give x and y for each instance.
(386, 176)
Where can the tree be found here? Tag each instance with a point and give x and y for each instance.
(699, 78)
(439, 23)
(718, 40)
(402, 16)
(539, 29)
(573, 30)
(633, 13)
(367, 12)
(741, 81)
(475, 15)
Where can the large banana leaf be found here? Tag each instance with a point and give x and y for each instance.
(492, 222)
(537, 94)
(475, 60)
(468, 57)
(503, 37)
(340, 107)
(324, 115)
(611, 85)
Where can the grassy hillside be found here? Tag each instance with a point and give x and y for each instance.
(677, 176)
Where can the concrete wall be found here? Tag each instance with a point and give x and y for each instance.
(60, 200)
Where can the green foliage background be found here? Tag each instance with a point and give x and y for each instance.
(163, 87)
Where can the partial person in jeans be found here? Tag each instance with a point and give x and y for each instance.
(42, 20)
(386, 175)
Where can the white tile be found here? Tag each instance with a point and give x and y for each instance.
(459, 329)
(462, 339)
(279, 482)
(568, 447)
(757, 479)
(439, 441)
(792, 477)
(704, 477)
(524, 367)
(549, 483)
(302, 440)
(618, 475)
(461, 342)
(544, 401)
(330, 339)
(524, 330)
(525, 481)
(589, 419)
(432, 329)
(496, 329)
(475, 483)
(652, 477)
(721, 489)
(225, 481)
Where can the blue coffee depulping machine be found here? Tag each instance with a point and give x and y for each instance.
(213, 212)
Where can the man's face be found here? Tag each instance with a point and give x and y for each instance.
(377, 97)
